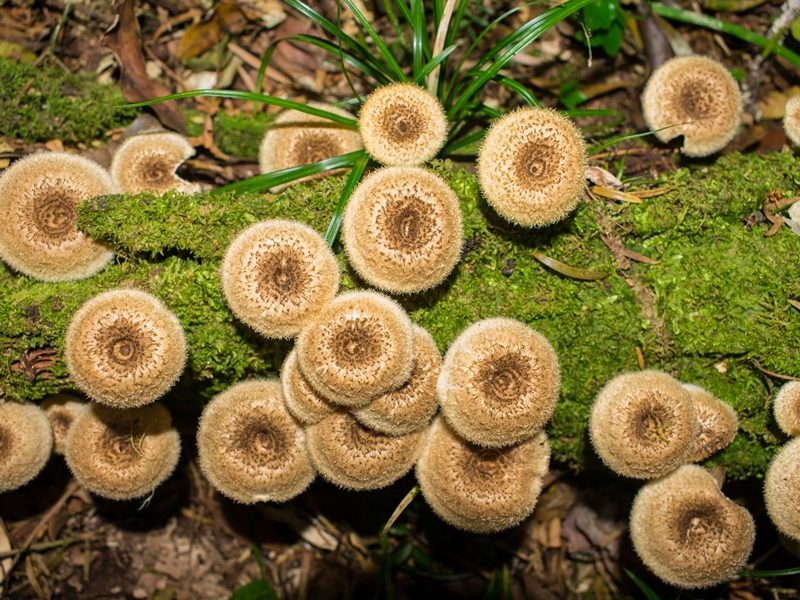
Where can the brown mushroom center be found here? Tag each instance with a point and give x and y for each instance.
(122, 445)
(699, 521)
(356, 343)
(157, 170)
(124, 343)
(401, 123)
(259, 440)
(407, 222)
(6, 444)
(54, 213)
(360, 440)
(504, 378)
(314, 147)
(653, 422)
(282, 275)
(696, 100)
(534, 165)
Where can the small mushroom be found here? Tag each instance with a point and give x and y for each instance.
(147, 163)
(787, 408)
(304, 402)
(61, 411)
(26, 441)
(718, 423)
(791, 119)
(782, 489)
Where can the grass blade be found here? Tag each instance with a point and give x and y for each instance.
(455, 23)
(646, 590)
(385, 53)
(420, 45)
(521, 90)
(433, 63)
(568, 270)
(360, 164)
(459, 143)
(776, 573)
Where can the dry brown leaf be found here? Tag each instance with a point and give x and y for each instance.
(599, 176)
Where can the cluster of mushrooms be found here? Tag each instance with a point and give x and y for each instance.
(782, 483)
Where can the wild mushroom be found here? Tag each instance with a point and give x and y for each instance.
(787, 408)
(791, 119)
(304, 402)
(61, 411)
(718, 423)
(782, 489)
(147, 163)
(26, 441)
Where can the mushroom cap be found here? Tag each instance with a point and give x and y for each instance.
(482, 490)
(782, 489)
(124, 348)
(277, 275)
(402, 229)
(61, 411)
(532, 166)
(787, 408)
(356, 458)
(25, 443)
(401, 124)
(122, 454)
(301, 399)
(38, 232)
(357, 347)
(696, 97)
(687, 532)
(411, 406)
(249, 446)
(718, 423)
(643, 424)
(791, 119)
(499, 383)
(147, 163)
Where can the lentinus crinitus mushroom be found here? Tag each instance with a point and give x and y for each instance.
(147, 163)
(26, 441)
(499, 383)
(277, 274)
(39, 195)
(791, 119)
(249, 446)
(402, 229)
(687, 532)
(61, 411)
(643, 424)
(124, 348)
(718, 423)
(787, 408)
(782, 489)
(477, 489)
(532, 166)
(304, 402)
(402, 125)
(696, 97)
(122, 454)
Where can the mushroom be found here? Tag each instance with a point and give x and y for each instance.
(402, 229)
(696, 97)
(276, 275)
(791, 119)
(499, 383)
(39, 195)
(301, 399)
(124, 348)
(26, 441)
(402, 125)
(61, 411)
(687, 532)
(718, 423)
(532, 166)
(782, 489)
(481, 490)
(250, 448)
(147, 163)
(787, 408)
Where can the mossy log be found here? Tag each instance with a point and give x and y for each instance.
(714, 310)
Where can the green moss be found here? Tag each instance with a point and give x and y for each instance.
(238, 135)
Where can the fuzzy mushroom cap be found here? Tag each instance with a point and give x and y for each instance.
(718, 423)
(356, 458)
(531, 166)
(782, 489)
(301, 399)
(147, 163)
(122, 454)
(356, 348)
(696, 97)
(249, 446)
(39, 236)
(499, 383)
(402, 125)
(482, 490)
(402, 230)
(124, 348)
(25, 443)
(643, 424)
(787, 408)
(277, 275)
(687, 532)
(791, 119)
(61, 411)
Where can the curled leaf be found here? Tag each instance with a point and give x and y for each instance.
(613, 194)
(567, 270)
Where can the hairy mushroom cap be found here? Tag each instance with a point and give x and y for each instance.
(718, 423)
(787, 408)
(277, 275)
(482, 490)
(25, 443)
(301, 399)
(499, 383)
(687, 532)
(122, 454)
(402, 125)
(147, 163)
(402, 230)
(532, 166)
(61, 411)
(782, 489)
(39, 195)
(356, 458)
(643, 424)
(791, 119)
(124, 348)
(356, 348)
(696, 97)
(411, 406)
(250, 448)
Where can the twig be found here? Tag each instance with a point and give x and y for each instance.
(399, 510)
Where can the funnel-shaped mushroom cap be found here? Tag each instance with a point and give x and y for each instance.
(356, 458)
(356, 348)
(402, 125)
(250, 448)
(39, 195)
(402, 229)
(787, 408)
(782, 489)
(25, 443)
(61, 411)
(124, 348)
(791, 119)
(411, 406)
(277, 275)
(643, 424)
(499, 382)
(696, 97)
(718, 423)
(482, 490)
(532, 166)
(302, 400)
(687, 532)
(147, 163)
(122, 454)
